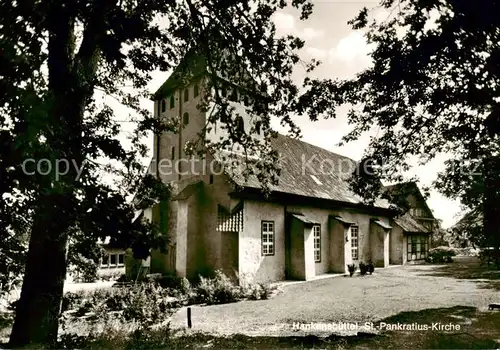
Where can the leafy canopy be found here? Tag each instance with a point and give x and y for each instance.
(432, 87)
(59, 59)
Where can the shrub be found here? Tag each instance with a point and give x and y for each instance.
(169, 281)
(489, 255)
(113, 276)
(217, 290)
(441, 254)
(185, 285)
(352, 268)
(132, 265)
(147, 304)
(258, 291)
(370, 267)
(363, 268)
(467, 251)
(86, 271)
(71, 300)
(142, 305)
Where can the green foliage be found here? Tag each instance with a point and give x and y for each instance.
(351, 268)
(441, 255)
(52, 108)
(217, 290)
(489, 255)
(71, 300)
(258, 291)
(363, 268)
(132, 265)
(143, 305)
(370, 268)
(432, 90)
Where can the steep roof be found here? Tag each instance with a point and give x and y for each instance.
(311, 171)
(191, 64)
(409, 224)
(409, 187)
(473, 218)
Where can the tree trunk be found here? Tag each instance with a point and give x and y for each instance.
(37, 312)
(491, 204)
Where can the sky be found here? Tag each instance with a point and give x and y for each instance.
(343, 52)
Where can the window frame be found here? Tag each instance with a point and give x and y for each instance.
(185, 118)
(172, 102)
(118, 263)
(105, 265)
(196, 90)
(186, 95)
(267, 234)
(417, 241)
(316, 230)
(163, 106)
(354, 248)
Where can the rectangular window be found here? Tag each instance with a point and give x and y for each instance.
(105, 261)
(113, 260)
(267, 237)
(121, 259)
(354, 241)
(317, 242)
(418, 247)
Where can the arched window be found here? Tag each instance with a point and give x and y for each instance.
(196, 91)
(172, 101)
(186, 95)
(185, 118)
(163, 106)
(172, 155)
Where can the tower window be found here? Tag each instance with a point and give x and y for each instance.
(186, 95)
(163, 106)
(172, 101)
(196, 90)
(185, 119)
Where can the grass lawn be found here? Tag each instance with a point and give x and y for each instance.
(388, 292)
(480, 330)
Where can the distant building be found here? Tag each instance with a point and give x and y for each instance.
(113, 262)
(469, 225)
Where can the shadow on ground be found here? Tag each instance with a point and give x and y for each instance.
(469, 268)
(477, 330)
